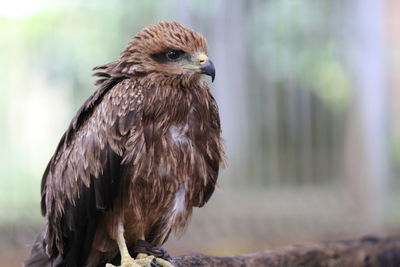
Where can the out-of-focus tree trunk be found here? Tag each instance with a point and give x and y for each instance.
(227, 50)
(367, 146)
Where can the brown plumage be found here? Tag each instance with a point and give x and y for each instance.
(142, 151)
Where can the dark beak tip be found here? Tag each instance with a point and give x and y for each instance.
(209, 69)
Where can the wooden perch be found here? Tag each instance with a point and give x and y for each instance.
(369, 251)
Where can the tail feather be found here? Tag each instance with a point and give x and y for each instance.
(38, 257)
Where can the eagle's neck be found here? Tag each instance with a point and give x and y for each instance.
(172, 100)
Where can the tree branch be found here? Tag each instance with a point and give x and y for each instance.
(369, 251)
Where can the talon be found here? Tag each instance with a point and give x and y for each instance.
(130, 262)
(141, 256)
(143, 261)
(164, 263)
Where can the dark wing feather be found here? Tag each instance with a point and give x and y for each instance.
(209, 145)
(82, 178)
(214, 161)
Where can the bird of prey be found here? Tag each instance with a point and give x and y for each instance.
(140, 153)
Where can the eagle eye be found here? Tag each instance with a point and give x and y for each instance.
(168, 56)
(174, 55)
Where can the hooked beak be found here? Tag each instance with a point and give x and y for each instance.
(209, 69)
(203, 65)
(206, 66)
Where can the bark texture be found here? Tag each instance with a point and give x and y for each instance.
(369, 251)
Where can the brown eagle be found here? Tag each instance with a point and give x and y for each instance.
(140, 153)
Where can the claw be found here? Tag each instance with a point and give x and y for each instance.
(143, 261)
(164, 263)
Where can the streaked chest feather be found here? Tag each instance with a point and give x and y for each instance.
(180, 144)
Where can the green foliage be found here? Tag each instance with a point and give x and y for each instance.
(296, 42)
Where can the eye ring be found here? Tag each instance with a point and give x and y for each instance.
(173, 55)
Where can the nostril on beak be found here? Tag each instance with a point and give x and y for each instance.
(202, 59)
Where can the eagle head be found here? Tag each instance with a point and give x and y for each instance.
(168, 49)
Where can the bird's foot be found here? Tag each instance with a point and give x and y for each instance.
(144, 249)
(154, 260)
(131, 262)
(143, 260)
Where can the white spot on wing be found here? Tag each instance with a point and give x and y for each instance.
(162, 170)
(178, 132)
(179, 201)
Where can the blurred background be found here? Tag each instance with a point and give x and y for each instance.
(309, 95)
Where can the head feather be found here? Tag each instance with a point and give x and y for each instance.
(159, 38)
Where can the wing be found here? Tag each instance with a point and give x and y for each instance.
(81, 180)
(208, 143)
(215, 153)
